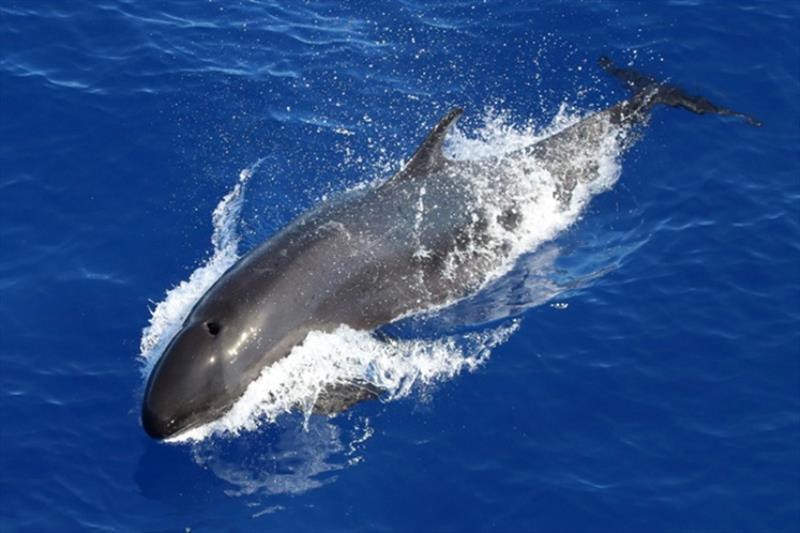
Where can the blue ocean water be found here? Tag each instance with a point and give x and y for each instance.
(660, 393)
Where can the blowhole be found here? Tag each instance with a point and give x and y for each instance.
(213, 327)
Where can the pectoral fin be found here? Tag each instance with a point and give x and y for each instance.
(339, 397)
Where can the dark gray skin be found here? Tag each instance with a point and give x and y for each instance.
(354, 261)
(363, 261)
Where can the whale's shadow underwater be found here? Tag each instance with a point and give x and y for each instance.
(423, 238)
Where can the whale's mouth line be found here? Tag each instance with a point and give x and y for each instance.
(407, 367)
(196, 422)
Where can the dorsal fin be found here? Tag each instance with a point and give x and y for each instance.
(429, 157)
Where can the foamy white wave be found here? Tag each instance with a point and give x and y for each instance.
(348, 356)
(168, 315)
(528, 185)
(399, 368)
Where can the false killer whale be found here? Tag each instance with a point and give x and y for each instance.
(420, 239)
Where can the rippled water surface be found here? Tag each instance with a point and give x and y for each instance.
(635, 368)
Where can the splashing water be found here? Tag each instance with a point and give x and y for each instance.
(401, 367)
(345, 356)
(169, 314)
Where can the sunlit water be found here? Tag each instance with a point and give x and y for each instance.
(630, 365)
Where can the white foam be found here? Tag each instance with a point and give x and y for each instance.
(399, 368)
(528, 185)
(346, 356)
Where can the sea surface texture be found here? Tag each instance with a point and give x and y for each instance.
(632, 364)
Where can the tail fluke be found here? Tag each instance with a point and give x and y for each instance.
(650, 92)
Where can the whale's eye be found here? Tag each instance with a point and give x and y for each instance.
(213, 327)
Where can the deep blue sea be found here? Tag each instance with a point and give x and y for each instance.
(653, 379)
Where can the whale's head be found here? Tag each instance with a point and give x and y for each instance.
(200, 375)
